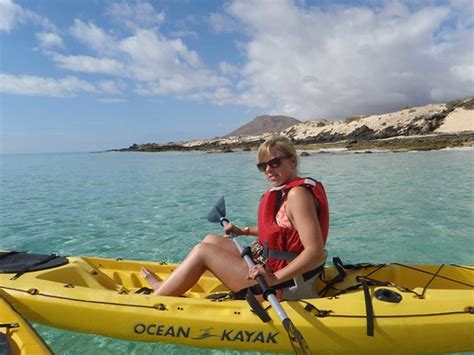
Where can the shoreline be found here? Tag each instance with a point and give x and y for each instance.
(392, 144)
(403, 143)
(429, 127)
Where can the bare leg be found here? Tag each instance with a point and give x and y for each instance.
(151, 278)
(222, 242)
(214, 239)
(219, 257)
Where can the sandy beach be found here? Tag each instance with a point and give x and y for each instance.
(460, 120)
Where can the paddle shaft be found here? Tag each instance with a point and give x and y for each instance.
(297, 341)
(261, 281)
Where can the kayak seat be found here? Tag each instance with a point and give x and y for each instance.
(5, 348)
(21, 262)
(79, 274)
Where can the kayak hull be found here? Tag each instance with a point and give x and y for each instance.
(97, 296)
(21, 338)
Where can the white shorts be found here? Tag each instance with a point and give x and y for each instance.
(302, 289)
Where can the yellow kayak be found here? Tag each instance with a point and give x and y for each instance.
(16, 334)
(363, 308)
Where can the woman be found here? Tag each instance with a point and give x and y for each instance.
(293, 221)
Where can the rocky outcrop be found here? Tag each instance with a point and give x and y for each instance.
(152, 147)
(452, 120)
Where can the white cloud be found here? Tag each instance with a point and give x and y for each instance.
(136, 15)
(307, 62)
(88, 64)
(39, 86)
(301, 60)
(228, 69)
(109, 87)
(185, 33)
(159, 65)
(222, 23)
(153, 55)
(50, 40)
(93, 36)
(12, 15)
(162, 65)
(182, 85)
(32, 85)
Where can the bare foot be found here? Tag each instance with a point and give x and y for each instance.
(151, 278)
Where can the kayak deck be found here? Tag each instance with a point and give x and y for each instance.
(114, 274)
(434, 307)
(122, 275)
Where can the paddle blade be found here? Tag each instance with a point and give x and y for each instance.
(217, 212)
(296, 338)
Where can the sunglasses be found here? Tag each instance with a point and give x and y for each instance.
(272, 163)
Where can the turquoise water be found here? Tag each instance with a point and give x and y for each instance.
(415, 207)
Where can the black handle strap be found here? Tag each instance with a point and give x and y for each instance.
(257, 307)
(368, 308)
(9, 325)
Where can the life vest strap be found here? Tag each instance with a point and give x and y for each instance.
(277, 254)
(306, 276)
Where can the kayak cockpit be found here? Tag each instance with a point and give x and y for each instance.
(98, 273)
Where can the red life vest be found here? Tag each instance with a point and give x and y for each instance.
(282, 244)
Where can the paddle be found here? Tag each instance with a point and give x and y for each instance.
(217, 215)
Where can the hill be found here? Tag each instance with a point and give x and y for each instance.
(433, 126)
(265, 124)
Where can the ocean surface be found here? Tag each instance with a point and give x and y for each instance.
(415, 207)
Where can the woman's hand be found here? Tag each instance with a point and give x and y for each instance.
(231, 228)
(259, 269)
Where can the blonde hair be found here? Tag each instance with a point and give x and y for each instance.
(282, 144)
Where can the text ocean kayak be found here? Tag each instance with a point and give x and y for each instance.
(16, 334)
(363, 308)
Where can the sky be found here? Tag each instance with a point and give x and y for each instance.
(90, 75)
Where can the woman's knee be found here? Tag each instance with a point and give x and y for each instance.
(212, 239)
(201, 249)
(203, 253)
